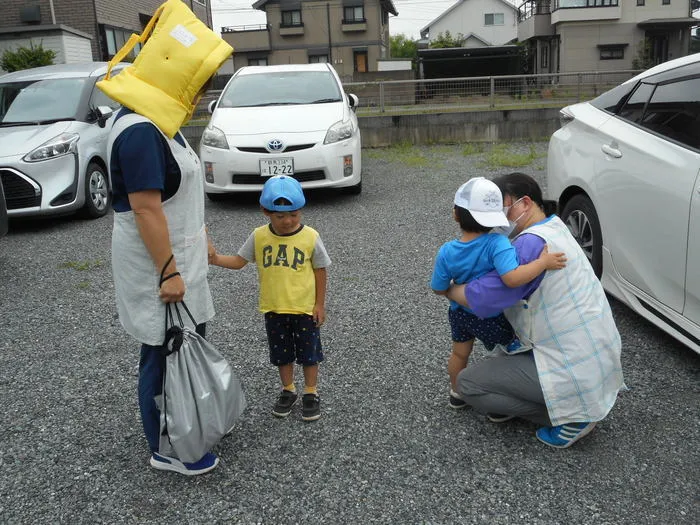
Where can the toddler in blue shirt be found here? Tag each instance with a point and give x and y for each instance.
(478, 207)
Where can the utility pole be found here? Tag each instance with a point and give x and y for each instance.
(330, 43)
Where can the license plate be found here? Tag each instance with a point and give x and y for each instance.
(270, 167)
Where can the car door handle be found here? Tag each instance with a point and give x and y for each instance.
(611, 151)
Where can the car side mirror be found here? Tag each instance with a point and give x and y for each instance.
(212, 106)
(103, 113)
(353, 101)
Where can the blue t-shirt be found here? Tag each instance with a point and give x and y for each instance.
(462, 262)
(142, 160)
(488, 295)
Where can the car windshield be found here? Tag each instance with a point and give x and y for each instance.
(40, 100)
(280, 89)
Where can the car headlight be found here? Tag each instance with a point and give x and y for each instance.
(64, 144)
(339, 131)
(215, 138)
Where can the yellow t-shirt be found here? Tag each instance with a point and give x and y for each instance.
(286, 269)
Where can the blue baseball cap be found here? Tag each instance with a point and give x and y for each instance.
(284, 187)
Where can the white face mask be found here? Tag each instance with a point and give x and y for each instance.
(508, 230)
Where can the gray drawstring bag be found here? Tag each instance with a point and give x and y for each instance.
(202, 396)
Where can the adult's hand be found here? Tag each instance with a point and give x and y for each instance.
(172, 290)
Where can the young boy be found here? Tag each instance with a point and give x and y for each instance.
(478, 207)
(292, 262)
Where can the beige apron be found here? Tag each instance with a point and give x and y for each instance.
(136, 279)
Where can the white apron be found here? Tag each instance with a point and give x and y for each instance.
(570, 326)
(136, 279)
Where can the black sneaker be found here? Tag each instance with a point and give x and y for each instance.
(311, 407)
(456, 402)
(284, 404)
(498, 418)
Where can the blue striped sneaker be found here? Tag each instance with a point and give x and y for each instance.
(208, 462)
(563, 436)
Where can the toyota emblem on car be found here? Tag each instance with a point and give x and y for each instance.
(275, 145)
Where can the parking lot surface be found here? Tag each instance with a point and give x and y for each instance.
(387, 448)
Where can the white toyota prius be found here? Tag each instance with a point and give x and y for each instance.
(625, 169)
(291, 120)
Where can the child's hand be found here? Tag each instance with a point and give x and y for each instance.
(211, 251)
(552, 261)
(319, 315)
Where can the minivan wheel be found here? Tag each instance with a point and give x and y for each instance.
(580, 217)
(98, 197)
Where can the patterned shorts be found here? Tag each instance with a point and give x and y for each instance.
(293, 337)
(490, 331)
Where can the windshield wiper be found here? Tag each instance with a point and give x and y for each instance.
(33, 122)
(54, 120)
(11, 124)
(270, 104)
(325, 100)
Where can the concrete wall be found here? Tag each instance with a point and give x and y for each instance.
(475, 126)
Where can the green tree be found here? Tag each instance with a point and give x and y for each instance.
(446, 39)
(645, 55)
(26, 58)
(403, 47)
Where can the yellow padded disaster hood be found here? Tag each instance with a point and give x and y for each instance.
(179, 54)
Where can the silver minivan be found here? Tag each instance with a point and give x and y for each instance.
(54, 125)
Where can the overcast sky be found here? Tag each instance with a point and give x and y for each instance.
(413, 14)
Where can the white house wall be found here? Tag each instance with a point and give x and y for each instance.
(68, 48)
(468, 17)
(76, 49)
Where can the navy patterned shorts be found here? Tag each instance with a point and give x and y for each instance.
(490, 331)
(293, 337)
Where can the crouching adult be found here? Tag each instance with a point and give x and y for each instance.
(567, 373)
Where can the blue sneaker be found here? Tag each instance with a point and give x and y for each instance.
(208, 462)
(563, 436)
(514, 346)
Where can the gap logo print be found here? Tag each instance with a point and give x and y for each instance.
(280, 257)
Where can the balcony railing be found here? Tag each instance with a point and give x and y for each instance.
(534, 7)
(570, 4)
(236, 29)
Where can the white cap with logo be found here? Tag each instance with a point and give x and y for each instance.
(483, 199)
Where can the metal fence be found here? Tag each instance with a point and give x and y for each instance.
(479, 93)
(472, 93)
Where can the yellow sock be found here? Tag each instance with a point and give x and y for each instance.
(310, 390)
(291, 387)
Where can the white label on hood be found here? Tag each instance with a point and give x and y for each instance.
(183, 36)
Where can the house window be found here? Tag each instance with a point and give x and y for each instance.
(494, 19)
(665, 2)
(115, 39)
(612, 52)
(257, 61)
(318, 59)
(291, 18)
(640, 2)
(353, 14)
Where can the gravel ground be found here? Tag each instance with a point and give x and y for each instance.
(387, 449)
